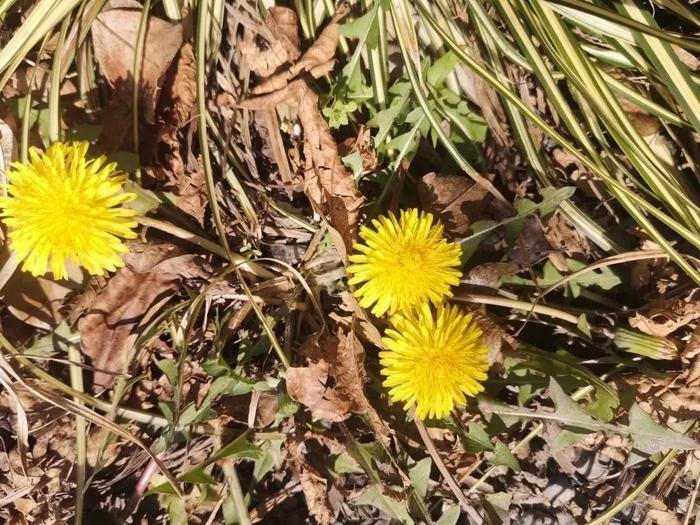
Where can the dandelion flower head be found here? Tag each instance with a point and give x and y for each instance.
(62, 205)
(403, 262)
(434, 359)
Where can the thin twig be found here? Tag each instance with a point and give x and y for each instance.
(454, 487)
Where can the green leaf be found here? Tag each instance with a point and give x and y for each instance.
(477, 440)
(146, 201)
(649, 437)
(353, 162)
(449, 517)
(269, 459)
(59, 340)
(384, 120)
(481, 229)
(568, 371)
(568, 409)
(583, 325)
(364, 28)
(503, 456)
(169, 368)
(177, 511)
(239, 448)
(89, 132)
(167, 408)
(564, 439)
(127, 161)
(498, 504)
(603, 278)
(373, 495)
(345, 464)
(404, 141)
(441, 68)
(420, 474)
(197, 475)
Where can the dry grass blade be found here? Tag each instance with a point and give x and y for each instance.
(22, 429)
(77, 409)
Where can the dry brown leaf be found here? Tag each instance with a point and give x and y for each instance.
(332, 386)
(455, 199)
(284, 24)
(314, 61)
(532, 247)
(284, 49)
(313, 484)
(667, 315)
(109, 327)
(329, 186)
(681, 396)
(496, 338)
(364, 146)
(114, 35)
(37, 301)
(562, 234)
(489, 274)
(176, 109)
(363, 326)
(125, 304)
(193, 194)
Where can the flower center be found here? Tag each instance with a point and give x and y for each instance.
(412, 257)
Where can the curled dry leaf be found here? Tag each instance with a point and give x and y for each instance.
(313, 484)
(285, 47)
(327, 183)
(497, 340)
(667, 315)
(532, 247)
(489, 274)
(679, 397)
(332, 386)
(314, 61)
(176, 109)
(562, 234)
(454, 199)
(364, 327)
(114, 35)
(193, 193)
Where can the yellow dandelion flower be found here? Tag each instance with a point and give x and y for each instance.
(60, 205)
(403, 263)
(434, 360)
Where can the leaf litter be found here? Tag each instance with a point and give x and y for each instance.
(554, 439)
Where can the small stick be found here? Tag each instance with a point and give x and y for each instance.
(464, 502)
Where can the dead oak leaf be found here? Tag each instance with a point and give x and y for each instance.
(332, 386)
(285, 47)
(111, 324)
(114, 36)
(313, 484)
(456, 200)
